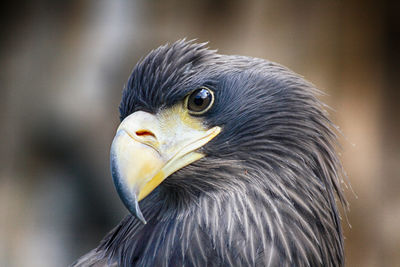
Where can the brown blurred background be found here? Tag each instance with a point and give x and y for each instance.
(63, 66)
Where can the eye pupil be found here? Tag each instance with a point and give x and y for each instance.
(200, 100)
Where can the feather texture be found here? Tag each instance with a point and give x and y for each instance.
(265, 193)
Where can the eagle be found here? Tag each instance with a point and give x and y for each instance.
(223, 160)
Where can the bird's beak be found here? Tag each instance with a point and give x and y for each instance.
(148, 148)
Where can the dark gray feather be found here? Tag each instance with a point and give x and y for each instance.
(265, 193)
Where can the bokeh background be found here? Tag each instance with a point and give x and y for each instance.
(64, 64)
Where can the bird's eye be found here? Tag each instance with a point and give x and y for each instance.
(199, 101)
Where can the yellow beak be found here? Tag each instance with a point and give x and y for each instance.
(148, 148)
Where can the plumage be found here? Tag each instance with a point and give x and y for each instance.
(264, 194)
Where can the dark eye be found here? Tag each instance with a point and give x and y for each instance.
(200, 100)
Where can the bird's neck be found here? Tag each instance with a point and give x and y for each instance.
(255, 220)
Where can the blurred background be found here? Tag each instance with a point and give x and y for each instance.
(64, 64)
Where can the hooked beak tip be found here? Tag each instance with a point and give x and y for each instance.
(137, 212)
(128, 196)
(131, 202)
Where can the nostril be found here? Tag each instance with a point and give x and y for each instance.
(145, 133)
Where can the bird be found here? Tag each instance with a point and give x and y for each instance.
(223, 160)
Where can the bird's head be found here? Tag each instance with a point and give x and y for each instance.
(196, 121)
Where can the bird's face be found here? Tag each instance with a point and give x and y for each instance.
(150, 147)
(186, 108)
(177, 100)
